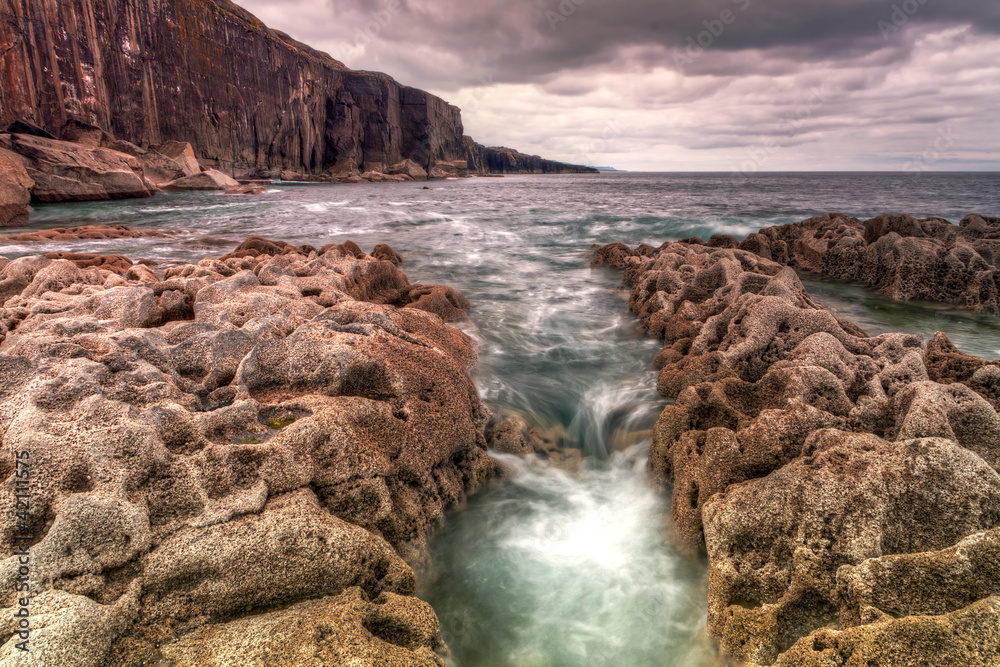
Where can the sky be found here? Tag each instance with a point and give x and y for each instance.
(672, 85)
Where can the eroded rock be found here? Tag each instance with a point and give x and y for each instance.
(900, 256)
(227, 438)
(804, 456)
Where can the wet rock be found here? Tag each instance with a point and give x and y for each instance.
(900, 256)
(211, 179)
(248, 190)
(86, 233)
(15, 190)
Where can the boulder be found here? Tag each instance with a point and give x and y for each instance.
(211, 179)
(408, 168)
(182, 153)
(65, 171)
(78, 132)
(15, 190)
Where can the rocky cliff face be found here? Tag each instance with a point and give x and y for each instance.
(501, 160)
(252, 101)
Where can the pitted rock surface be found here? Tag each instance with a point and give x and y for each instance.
(900, 256)
(802, 454)
(227, 439)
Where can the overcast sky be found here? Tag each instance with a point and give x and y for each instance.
(719, 85)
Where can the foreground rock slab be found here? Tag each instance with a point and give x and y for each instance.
(249, 442)
(843, 487)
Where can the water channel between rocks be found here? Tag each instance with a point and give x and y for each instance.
(558, 567)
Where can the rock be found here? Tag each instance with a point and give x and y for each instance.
(965, 637)
(248, 190)
(87, 233)
(15, 190)
(182, 153)
(210, 179)
(304, 116)
(85, 133)
(385, 253)
(65, 171)
(799, 448)
(115, 263)
(772, 580)
(161, 169)
(446, 302)
(501, 160)
(346, 629)
(925, 584)
(379, 177)
(901, 257)
(344, 170)
(199, 427)
(28, 128)
(408, 168)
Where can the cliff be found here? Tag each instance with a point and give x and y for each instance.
(501, 160)
(252, 101)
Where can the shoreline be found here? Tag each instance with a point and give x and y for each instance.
(219, 369)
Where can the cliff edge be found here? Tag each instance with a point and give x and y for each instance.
(251, 100)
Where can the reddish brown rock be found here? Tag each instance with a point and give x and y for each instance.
(87, 233)
(247, 190)
(15, 190)
(446, 302)
(114, 263)
(66, 171)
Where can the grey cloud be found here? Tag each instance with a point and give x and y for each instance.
(886, 87)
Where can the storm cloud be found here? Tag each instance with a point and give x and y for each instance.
(721, 85)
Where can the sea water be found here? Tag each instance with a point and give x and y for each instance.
(559, 566)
